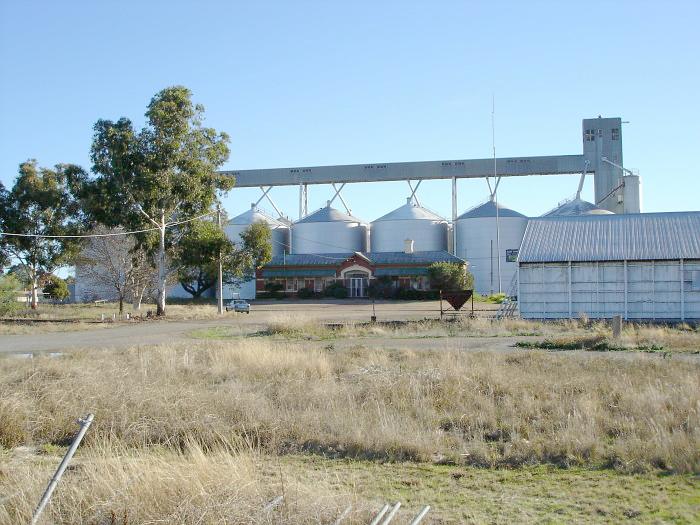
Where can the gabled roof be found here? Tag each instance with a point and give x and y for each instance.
(641, 236)
(328, 214)
(410, 211)
(488, 209)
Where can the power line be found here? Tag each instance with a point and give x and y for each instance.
(111, 234)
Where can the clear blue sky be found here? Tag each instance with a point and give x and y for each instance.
(313, 83)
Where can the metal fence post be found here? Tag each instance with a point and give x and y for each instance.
(84, 425)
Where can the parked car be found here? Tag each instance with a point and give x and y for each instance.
(238, 305)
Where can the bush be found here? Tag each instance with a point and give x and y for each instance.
(9, 287)
(305, 293)
(450, 277)
(336, 290)
(273, 291)
(56, 288)
(340, 292)
(381, 288)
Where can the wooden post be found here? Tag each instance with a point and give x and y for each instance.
(617, 326)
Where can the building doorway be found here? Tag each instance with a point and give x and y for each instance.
(357, 284)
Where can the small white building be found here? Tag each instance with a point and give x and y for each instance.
(640, 266)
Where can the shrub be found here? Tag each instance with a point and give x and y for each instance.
(336, 290)
(9, 286)
(305, 293)
(56, 288)
(450, 277)
(274, 291)
(381, 288)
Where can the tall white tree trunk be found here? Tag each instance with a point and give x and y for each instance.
(35, 290)
(161, 268)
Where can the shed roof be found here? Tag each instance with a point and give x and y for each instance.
(643, 236)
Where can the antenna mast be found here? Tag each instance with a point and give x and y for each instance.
(494, 196)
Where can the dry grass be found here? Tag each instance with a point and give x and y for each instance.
(94, 312)
(487, 409)
(168, 486)
(110, 485)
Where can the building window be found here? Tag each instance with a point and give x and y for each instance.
(616, 133)
(309, 284)
(291, 285)
(589, 135)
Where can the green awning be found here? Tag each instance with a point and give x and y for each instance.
(401, 272)
(299, 272)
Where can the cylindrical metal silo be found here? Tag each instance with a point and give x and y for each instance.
(280, 243)
(427, 230)
(576, 206)
(329, 231)
(485, 239)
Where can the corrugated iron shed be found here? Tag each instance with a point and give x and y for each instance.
(644, 236)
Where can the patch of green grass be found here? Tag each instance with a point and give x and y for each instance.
(215, 332)
(540, 494)
(595, 343)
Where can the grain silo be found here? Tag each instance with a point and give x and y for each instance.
(411, 221)
(329, 231)
(576, 207)
(280, 243)
(489, 241)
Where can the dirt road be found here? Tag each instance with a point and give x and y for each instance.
(160, 332)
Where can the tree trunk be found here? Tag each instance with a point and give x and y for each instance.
(138, 297)
(160, 310)
(35, 290)
(121, 304)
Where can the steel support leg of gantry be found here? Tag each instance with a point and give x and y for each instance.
(338, 195)
(414, 195)
(454, 215)
(266, 195)
(303, 200)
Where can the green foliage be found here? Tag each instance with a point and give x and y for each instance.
(450, 277)
(256, 241)
(45, 202)
(169, 166)
(10, 288)
(306, 293)
(496, 298)
(197, 256)
(56, 288)
(161, 174)
(381, 288)
(337, 290)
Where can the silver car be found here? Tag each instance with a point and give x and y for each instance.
(238, 305)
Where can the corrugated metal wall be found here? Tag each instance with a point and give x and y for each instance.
(636, 290)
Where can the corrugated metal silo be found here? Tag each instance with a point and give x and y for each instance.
(482, 246)
(576, 207)
(329, 231)
(410, 221)
(280, 243)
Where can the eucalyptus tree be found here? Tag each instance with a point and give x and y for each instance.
(161, 175)
(41, 207)
(203, 243)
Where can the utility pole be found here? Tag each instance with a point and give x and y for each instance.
(220, 277)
